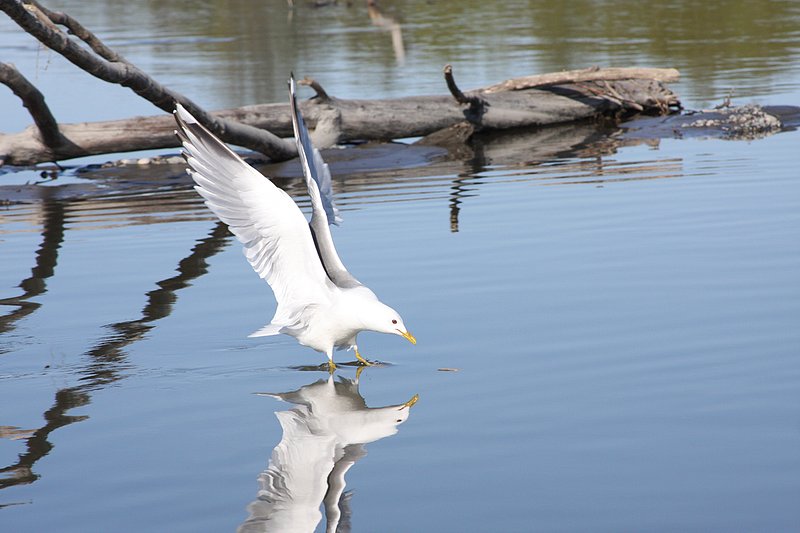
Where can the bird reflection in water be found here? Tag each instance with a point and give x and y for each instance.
(323, 436)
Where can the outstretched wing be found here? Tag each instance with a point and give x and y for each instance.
(264, 218)
(318, 181)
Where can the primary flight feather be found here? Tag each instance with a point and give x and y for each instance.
(320, 303)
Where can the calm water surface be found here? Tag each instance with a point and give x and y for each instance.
(608, 332)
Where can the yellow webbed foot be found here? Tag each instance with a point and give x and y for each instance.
(331, 366)
(362, 360)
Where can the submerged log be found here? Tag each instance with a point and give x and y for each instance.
(336, 121)
(539, 100)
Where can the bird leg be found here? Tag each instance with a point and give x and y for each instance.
(331, 366)
(362, 360)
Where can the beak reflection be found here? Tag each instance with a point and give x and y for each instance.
(325, 432)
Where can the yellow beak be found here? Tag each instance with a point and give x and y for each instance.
(410, 403)
(408, 336)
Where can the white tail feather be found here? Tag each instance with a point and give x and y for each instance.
(266, 331)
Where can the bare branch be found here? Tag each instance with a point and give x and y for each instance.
(38, 22)
(314, 84)
(341, 120)
(502, 106)
(460, 97)
(76, 29)
(607, 92)
(33, 100)
(477, 104)
(587, 74)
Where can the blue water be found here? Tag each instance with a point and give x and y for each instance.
(622, 353)
(607, 341)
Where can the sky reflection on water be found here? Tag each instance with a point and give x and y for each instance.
(634, 321)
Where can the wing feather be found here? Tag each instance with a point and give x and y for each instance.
(275, 234)
(318, 182)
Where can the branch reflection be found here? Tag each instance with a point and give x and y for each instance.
(392, 26)
(107, 360)
(565, 154)
(323, 437)
(573, 154)
(44, 268)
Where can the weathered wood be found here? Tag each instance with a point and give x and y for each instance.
(105, 64)
(587, 74)
(33, 100)
(568, 97)
(339, 121)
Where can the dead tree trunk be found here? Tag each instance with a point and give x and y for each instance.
(532, 101)
(102, 62)
(337, 120)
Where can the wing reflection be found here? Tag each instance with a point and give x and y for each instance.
(323, 436)
(574, 154)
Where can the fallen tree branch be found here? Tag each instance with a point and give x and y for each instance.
(604, 90)
(104, 63)
(33, 100)
(314, 84)
(665, 75)
(460, 97)
(559, 98)
(353, 120)
(76, 28)
(477, 104)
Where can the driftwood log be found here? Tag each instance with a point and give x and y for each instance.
(554, 98)
(337, 121)
(102, 62)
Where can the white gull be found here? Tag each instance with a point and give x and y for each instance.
(319, 302)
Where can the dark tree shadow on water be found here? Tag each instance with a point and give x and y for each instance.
(45, 264)
(566, 154)
(107, 360)
(578, 150)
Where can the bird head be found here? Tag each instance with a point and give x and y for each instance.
(381, 318)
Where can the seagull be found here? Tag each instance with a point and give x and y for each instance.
(320, 303)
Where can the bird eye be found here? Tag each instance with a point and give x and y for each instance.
(394, 321)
